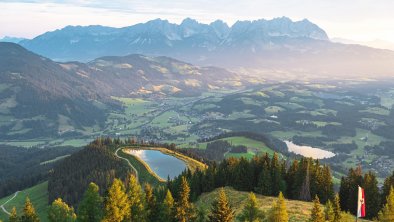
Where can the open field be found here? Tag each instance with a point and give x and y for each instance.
(38, 196)
(238, 140)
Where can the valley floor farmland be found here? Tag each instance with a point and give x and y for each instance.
(354, 124)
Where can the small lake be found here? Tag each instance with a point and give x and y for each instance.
(162, 164)
(309, 151)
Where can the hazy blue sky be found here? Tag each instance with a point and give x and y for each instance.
(361, 20)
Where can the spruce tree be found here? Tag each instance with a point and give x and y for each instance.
(59, 211)
(337, 209)
(317, 214)
(277, 182)
(151, 204)
(327, 186)
(13, 216)
(167, 208)
(372, 195)
(221, 210)
(329, 211)
(387, 213)
(264, 182)
(91, 206)
(185, 211)
(251, 213)
(29, 213)
(388, 183)
(305, 192)
(116, 207)
(278, 212)
(136, 200)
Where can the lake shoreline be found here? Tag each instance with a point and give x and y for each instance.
(308, 151)
(148, 168)
(190, 163)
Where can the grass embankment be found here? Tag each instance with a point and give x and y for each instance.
(147, 167)
(146, 174)
(38, 196)
(299, 211)
(191, 163)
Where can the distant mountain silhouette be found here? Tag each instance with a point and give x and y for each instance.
(159, 37)
(261, 46)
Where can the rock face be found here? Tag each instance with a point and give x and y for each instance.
(277, 48)
(163, 38)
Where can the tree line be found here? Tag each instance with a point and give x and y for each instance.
(127, 201)
(375, 198)
(302, 179)
(265, 175)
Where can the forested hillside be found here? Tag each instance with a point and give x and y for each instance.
(95, 163)
(21, 168)
(75, 180)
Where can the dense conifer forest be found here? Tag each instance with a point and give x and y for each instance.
(21, 168)
(301, 179)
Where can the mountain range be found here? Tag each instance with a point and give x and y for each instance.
(265, 48)
(11, 39)
(38, 95)
(161, 37)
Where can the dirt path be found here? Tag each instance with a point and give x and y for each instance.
(135, 170)
(2, 206)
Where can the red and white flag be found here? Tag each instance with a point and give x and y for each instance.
(361, 203)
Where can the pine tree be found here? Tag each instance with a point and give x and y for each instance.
(251, 213)
(372, 195)
(13, 216)
(116, 207)
(29, 213)
(337, 209)
(243, 175)
(278, 212)
(59, 211)
(277, 182)
(327, 186)
(91, 206)
(387, 213)
(151, 205)
(388, 183)
(221, 209)
(349, 190)
(305, 193)
(329, 211)
(167, 209)
(291, 178)
(185, 211)
(317, 214)
(136, 200)
(264, 182)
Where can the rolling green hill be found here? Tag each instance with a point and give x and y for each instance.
(38, 196)
(254, 146)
